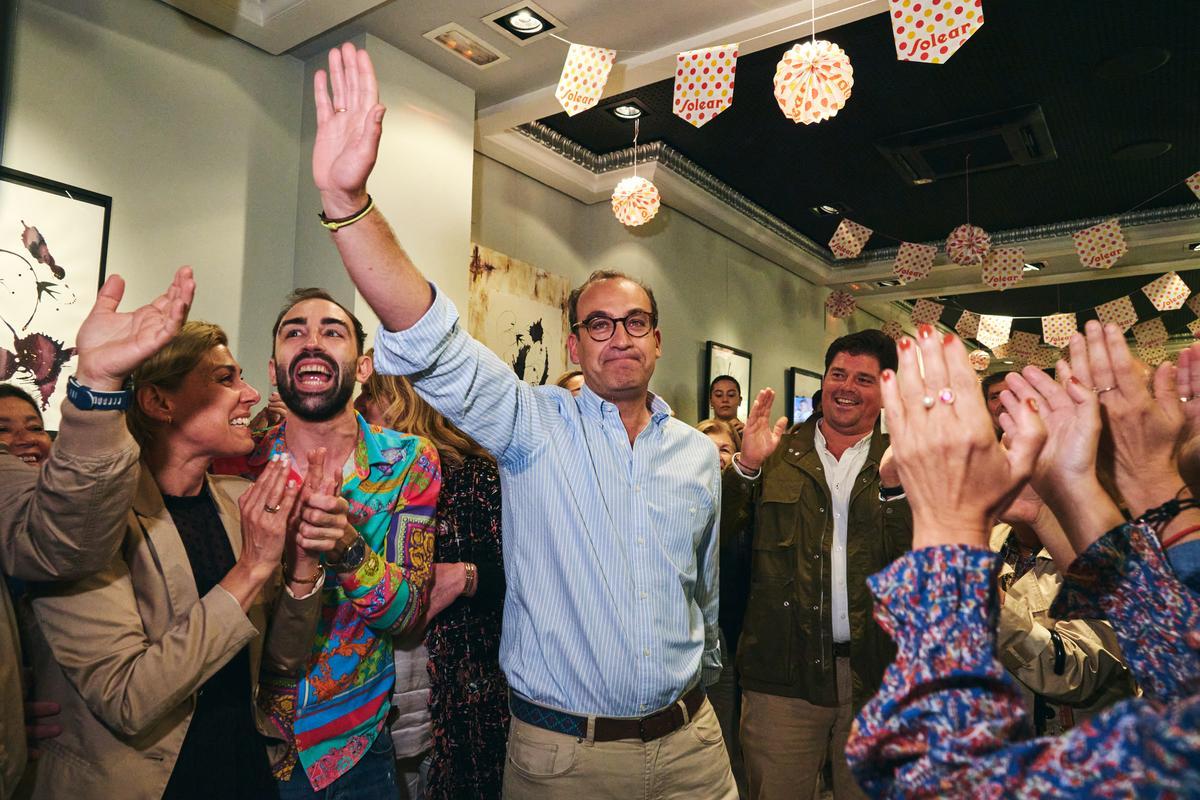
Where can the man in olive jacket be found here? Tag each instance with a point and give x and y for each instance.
(811, 653)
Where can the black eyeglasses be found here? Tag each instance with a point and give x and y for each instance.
(601, 329)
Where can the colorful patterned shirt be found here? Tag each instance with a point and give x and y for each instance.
(949, 721)
(341, 703)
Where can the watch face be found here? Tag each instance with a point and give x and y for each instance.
(352, 557)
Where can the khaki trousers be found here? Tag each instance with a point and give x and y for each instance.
(689, 764)
(785, 741)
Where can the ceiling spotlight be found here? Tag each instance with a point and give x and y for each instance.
(1034, 266)
(1194, 247)
(526, 22)
(886, 284)
(627, 112)
(627, 109)
(829, 209)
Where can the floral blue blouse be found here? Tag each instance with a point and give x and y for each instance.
(950, 722)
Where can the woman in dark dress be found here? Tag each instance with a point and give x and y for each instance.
(467, 713)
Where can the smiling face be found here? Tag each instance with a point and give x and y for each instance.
(620, 368)
(994, 406)
(317, 362)
(850, 396)
(210, 411)
(725, 398)
(724, 446)
(21, 429)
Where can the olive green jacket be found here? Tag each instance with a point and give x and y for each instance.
(786, 646)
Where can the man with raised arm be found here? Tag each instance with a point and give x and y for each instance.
(610, 505)
(66, 520)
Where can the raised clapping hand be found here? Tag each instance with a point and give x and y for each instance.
(956, 475)
(113, 343)
(322, 520)
(349, 124)
(1188, 381)
(759, 436)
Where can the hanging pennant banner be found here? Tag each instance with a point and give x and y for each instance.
(1022, 344)
(849, 239)
(1167, 292)
(913, 261)
(893, 329)
(1193, 183)
(1100, 246)
(967, 325)
(926, 312)
(1004, 267)
(840, 304)
(1045, 357)
(584, 75)
(1150, 332)
(704, 83)
(1153, 355)
(1193, 304)
(1000, 350)
(1118, 312)
(933, 31)
(1057, 329)
(1194, 327)
(993, 330)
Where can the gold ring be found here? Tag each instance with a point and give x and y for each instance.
(271, 509)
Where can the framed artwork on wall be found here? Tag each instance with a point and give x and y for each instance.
(801, 385)
(721, 359)
(53, 245)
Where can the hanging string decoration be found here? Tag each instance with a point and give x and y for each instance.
(967, 325)
(932, 32)
(584, 75)
(1100, 246)
(635, 201)
(1045, 357)
(1150, 332)
(1057, 329)
(979, 360)
(1004, 267)
(1194, 328)
(1022, 344)
(893, 329)
(926, 312)
(840, 304)
(967, 245)
(813, 81)
(849, 239)
(1167, 292)
(1193, 304)
(913, 261)
(993, 330)
(1193, 183)
(1117, 312)
(1153, 355)
(704, 83)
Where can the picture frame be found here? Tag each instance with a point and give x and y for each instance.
(723, 359)
(53, 259)
(801, 385)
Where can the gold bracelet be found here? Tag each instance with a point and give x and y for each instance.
(471, 579)
(335, 224)
(310, 581)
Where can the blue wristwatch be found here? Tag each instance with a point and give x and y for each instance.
(86, 398)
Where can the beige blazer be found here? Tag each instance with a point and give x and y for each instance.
(125, 651)
(61, 522)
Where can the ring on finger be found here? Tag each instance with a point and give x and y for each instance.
(928, 401)
(271, 509)
(1102, 389)
(946, 395)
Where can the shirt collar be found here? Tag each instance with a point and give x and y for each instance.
(862, 444)
(593, 405)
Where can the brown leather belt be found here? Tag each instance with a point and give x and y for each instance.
(609, 729)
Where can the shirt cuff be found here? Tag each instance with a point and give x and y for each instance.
(414, 349)
(742, 472)
(318, 586)
(924, 587)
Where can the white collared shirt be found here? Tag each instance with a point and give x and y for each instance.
(839, 476)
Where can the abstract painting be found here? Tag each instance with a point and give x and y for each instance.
(520, 313)
(53, 240)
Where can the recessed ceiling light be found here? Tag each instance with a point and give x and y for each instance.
(467, 46)
(1133, 63)
(626, 112)
(1034, 266)
(1140, 151)
(1006, 362)
(524, 22)
(885, 284)
(829, 209)
(1194, 247)
(627, 109)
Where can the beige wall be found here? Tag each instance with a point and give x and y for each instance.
(707, 286)
(192, 133)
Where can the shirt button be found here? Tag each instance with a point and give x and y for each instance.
(787, 603)
(814, 608)
(821, 510)
(816, 556)
(646, 652)
(641, 540)
(637, 489)
(887, 511)
(643, 595)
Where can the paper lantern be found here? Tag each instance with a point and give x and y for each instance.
(967, 245)
(812, 81)
(979, 360)
(840, 304)
(635, 201)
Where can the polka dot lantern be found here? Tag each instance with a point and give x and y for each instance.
(635, 201)
(813, 81)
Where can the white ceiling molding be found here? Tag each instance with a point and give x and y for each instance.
(274, 25)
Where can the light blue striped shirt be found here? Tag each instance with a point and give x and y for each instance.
(610, 551)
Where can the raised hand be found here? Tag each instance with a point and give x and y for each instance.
(273, 413)
(759, 436)
(1144, 428)
(322, 519)
(1188, 382)
(112, 343)
(266, 507)
(956, 475)
(349, 124)
(1071, 413)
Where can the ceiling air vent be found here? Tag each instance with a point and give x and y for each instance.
(1017, 137)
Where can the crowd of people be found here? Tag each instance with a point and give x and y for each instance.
(413, 575)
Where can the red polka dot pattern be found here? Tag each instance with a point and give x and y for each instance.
(932, 32)
(584, 76)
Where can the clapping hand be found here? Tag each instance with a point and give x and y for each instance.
(322, 520)
(349, 124)
(113, 343)
(1188, 382)
(759, 436)
(956, 475)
